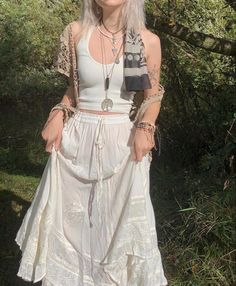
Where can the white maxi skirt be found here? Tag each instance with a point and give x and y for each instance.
(91, 222)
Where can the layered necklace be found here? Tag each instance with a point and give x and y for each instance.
(113, 39)
(107, 103)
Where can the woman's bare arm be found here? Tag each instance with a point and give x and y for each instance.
(142, 144)
(153, 54)
(52, 129)
(69, 96)
(68, 99)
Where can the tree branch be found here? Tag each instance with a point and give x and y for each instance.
(198, 39)
(231, 3)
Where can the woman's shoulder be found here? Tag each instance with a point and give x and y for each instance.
(75, 27)
(150, 39)
(76, 24)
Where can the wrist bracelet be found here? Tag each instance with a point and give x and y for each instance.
(147, 126)
(67, 110)
(146, 130)
(148, 123)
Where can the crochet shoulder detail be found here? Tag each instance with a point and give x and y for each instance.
(62, 62)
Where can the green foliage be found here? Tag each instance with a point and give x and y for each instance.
(195, 195)
(199, 233)
(199, 104)
(210, 17)
(29, 39)
(197, 166)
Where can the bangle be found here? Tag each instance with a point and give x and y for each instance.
(148, 136)
(148, 123)
(147, 126)
(56, 109)
(67, 110)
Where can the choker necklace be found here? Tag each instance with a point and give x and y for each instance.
(114, 39)
(113, 33)
(106, 35)
(107, 103)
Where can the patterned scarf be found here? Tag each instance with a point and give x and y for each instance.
(135, 66)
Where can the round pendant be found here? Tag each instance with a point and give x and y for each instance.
(117, 61)
(107, 104)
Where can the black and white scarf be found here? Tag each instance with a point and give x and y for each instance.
(135, 66)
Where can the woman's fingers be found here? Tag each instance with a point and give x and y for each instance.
(141, 145)
(56, 143)
(138, 153)
(52, 130)
(133, 155)
(48, 147)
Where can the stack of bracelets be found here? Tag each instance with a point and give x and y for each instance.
(67, 110)
(149, 128)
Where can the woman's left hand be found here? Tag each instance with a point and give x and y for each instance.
(143, 142)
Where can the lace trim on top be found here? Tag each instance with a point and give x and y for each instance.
(62, 63)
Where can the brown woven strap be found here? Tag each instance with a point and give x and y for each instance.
(74, 71)
(67, 110)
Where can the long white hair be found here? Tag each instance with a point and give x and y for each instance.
(133, 15)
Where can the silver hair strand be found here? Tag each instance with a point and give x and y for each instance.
(132, 13)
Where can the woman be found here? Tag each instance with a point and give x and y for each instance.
(92, 221)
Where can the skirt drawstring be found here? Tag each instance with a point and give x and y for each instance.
(99, 142)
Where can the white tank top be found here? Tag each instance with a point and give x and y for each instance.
(91, 81)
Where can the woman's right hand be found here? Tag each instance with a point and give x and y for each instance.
(52, 130)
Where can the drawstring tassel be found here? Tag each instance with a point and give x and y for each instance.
(91, 197)
(99, 144)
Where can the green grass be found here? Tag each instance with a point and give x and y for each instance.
(195, 216)
(16, 193)
(17, 185)
(22, 160)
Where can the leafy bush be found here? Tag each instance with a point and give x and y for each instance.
(193, 182)
(29, 39)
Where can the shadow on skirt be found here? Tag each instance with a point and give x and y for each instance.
(91, 222)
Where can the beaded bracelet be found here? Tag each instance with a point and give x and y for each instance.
(148, 123)
(67, 110)
(148, 127)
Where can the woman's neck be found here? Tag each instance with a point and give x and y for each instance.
(112, 19)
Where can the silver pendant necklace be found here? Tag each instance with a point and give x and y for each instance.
(114, 41)
(107, 103)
